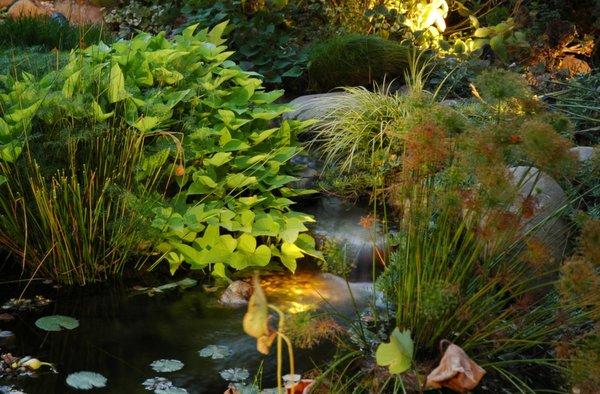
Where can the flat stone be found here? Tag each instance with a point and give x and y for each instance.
(583, 153)
(312, 106)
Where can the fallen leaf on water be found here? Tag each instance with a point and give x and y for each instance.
(456, 371)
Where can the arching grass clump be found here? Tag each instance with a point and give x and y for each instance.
(48, 34)
(355, 60)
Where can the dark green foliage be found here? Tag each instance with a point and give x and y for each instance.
(355, 60)
(48, 34)
(33, 60)
(266, 40)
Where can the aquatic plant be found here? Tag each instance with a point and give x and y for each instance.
(57, 323)
(184, 141)
(215, 352)
(86, 380)
(164, 365)
(256, 324)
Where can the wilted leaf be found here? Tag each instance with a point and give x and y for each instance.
(256, 319)
(57, 323)
(398, 353)
(456, 371)
(86, 380)
(164, 365)
(215, 352)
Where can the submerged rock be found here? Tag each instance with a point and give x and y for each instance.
(236, 294)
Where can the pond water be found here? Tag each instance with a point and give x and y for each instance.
(122, 332)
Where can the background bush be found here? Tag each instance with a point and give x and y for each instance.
(355, 60)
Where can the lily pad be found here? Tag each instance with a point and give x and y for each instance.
(57, 323)
(235, 374)
(86, 380)
(172, 390)
(10, 390)
(157, 384)
(164, 365)
(215, 352)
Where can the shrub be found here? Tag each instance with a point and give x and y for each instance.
(48, 34)
(355, 60)
(212, 159)
(447, 280)
(267, 38)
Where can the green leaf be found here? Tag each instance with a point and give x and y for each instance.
(70, 82)
(219, 159)
(146, 123)
(246, 243)
(57, 323)
(99, 114)
(116, 85)
(398, 353)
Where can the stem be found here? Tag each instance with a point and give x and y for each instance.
(280, 338)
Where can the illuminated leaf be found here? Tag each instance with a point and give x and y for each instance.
(398, 353)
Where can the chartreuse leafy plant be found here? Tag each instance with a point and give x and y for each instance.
(214, 165)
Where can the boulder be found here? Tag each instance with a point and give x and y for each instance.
(583, 153)
(549, 197)
(236, 294)
(6, 3)
(311, 106)
(26, 8)
(80, 14)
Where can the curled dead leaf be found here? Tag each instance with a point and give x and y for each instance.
(263, 344)
(256, 319)
(456, 371)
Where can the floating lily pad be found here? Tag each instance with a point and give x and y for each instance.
(172, 390)
(235, 374)
(166, 365)
(215, 352)
(57, 323)
(182, 284)
(157, 384)
(187, 283)
(10, 390)
(86, 380)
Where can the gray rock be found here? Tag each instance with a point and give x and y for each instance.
(236, 294)
(548, 226)
(583, 153)
(312, 106)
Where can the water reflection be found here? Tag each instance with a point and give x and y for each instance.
(121, 334)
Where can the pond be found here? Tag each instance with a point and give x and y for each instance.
(122, 332)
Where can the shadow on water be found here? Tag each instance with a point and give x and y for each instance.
(122, 332)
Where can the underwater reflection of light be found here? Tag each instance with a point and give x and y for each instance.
(307, 291)
(296, 307)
